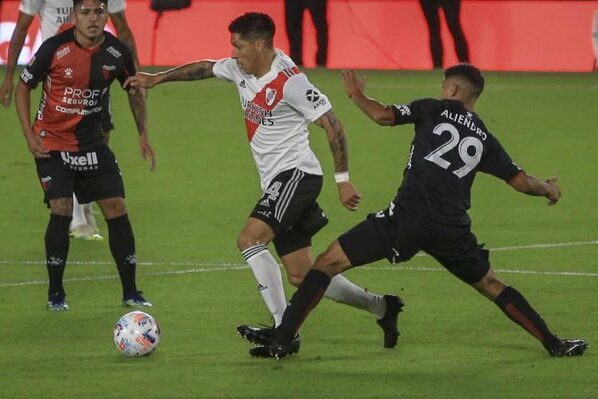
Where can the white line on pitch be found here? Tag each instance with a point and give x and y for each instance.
(190, 263)
(243, 267)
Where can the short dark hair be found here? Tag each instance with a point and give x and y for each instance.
(76, 2)
(469, 72)
(254, 25)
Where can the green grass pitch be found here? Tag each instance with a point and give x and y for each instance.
(186, 217)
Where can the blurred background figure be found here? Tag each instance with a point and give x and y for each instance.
(451, 9)
(294, 10)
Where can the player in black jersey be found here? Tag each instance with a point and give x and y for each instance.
(429, 213)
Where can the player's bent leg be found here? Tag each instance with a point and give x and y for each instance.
(341, 289)
(514, 305)
(57, 248)
(122, 246)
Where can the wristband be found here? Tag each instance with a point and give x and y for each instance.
(341, 177)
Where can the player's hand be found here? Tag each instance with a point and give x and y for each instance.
(36, 147)
(141, 80)
(147, 152)
(6, 93)
(354, 84)
(554, 192)
(348, 195)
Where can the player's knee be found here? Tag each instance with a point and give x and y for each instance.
(62, 206)
(113, 207)
(490, 285)
(244, 241)
(328, 263)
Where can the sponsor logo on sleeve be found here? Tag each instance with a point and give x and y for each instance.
(114, 52)
(62, 52)
(68, 72)
(313, 96)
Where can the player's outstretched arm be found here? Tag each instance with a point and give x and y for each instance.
(14, 49)
(139, 110)
(23, 103)
(193, 71)
(348, 194)
(355, 88)
(530, 185)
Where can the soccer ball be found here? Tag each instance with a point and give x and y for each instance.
(136, 334)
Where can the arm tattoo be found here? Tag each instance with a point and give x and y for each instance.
(139, 110)
(336, 139)
(193, 71)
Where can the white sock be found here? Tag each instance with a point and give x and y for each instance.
(78, 214)
(343, 291)
(269, 279)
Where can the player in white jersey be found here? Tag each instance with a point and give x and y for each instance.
(53, 14)
(278, 103)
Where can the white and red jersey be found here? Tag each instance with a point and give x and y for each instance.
(54, 13)
(277, 107)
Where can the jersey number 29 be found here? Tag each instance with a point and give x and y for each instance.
(470, 161)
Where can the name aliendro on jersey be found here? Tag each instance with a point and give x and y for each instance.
(464, 121)
(256, 113)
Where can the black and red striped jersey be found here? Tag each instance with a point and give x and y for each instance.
(75, 81)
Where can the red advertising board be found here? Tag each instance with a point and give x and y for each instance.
(378, 34)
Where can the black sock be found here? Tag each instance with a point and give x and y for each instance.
(57, 249)
(122, 247)
(514, 305)
(303, 301)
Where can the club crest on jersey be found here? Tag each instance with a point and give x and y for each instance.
(270, 96)
(106, 69)
(68, 72)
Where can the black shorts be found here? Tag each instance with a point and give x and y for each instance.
(106, 115)
(90, 175)
(397, 234)
(289, 207)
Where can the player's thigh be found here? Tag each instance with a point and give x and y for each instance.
(290, 202)
(460, 253)
(57, 180)
(101, 180)
(299, 235)
(365, 243)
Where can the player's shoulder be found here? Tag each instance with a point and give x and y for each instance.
(116, 47)
(54, 42)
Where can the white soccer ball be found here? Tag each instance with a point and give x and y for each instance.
(136, 334)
